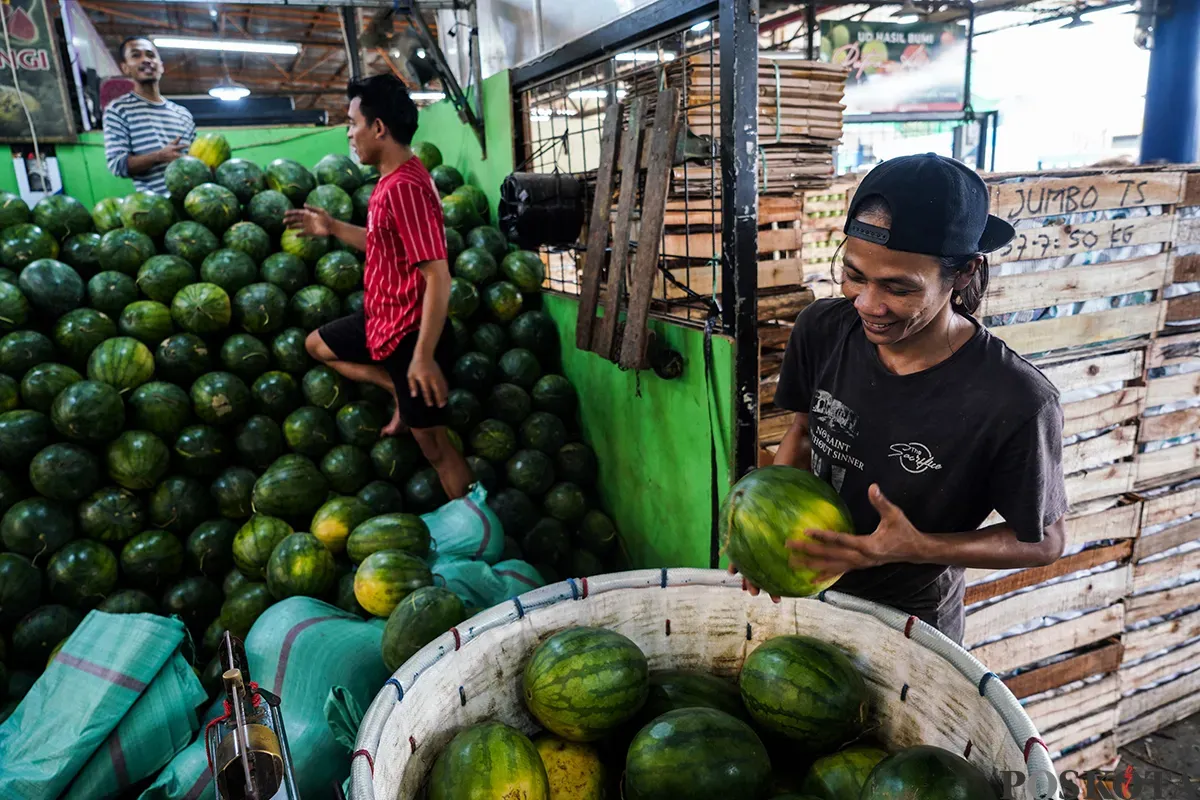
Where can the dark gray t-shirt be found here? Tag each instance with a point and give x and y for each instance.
(982, 430)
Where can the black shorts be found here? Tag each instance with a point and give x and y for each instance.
(347, 338)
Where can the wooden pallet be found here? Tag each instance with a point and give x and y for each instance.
(1178, 462)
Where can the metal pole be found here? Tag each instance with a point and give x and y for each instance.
(967, 72)
(73, 57)
(477, 69)
(739, 215)
(1171, 126)
(350, 36)
(810, 22)
(539, 35)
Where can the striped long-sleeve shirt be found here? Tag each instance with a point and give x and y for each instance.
(134, 126)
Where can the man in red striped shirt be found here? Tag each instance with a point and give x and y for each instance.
(401, 340)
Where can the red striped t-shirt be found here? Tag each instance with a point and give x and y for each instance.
(404, 229)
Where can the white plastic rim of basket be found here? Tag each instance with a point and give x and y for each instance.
(544, 610)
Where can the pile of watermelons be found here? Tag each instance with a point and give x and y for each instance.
(795, 725)
(167, 445)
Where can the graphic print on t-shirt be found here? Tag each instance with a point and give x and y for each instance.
(914, 457)
(833, 427)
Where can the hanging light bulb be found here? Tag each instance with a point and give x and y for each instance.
(229, 90)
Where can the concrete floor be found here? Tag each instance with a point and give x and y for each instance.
(1175, 751)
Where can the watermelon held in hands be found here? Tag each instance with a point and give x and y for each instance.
(147, 213)
(21, 244)
(182, 175)
(249, 239)
(489, 760)
(266, 210)
(112, 515)
(300, 565)
(805, 689)
(464, 298)
(291, 179)
(82, 573)
(768, 508)
(124, 250)
(333, 199)
(202, 308)
(928, 768)
(419, 619)
(61, 216)
(162, 276)
(182, 358)
(254, 542)
(51, 287)
(213, 206)
(88, 411)
(190, 241)
(147, 321)
(696, 753)
(617, 681)
(211, 148)
(385, 578)
(244, 178)
(64, 472)
(841, 775)
(137, 460)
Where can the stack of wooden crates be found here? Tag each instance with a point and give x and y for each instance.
(1102, 647)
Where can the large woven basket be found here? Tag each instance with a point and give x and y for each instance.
(925, 688)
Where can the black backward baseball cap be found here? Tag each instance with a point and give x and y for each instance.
(939, 207)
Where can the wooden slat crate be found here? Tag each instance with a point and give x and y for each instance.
(1170, 464)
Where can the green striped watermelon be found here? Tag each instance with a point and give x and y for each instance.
(291, 487)
(184, 174)
(385, 578)
(64, 472)
(81, 252)
(10, 393)
(303, 246)
(13, 210)
(696, 753)
(359, 424)
(51, 287)
(464, 298)
(925, 770)
(122, 362)
(544, 432)
(474, 372)
(291, 179)
(82, 573)
(22, 434)
(334, 521)
(229, 269)
(245, 356)
(112, 515)
(202, 308)
(420, 618)
(202, 451)
(423, 492)
(14, 307)
(88, 411)
(766, 510)
(21, 244)
(147, 321)
(213, 206)
(525, 269)
(210, 546)
(266, 210)
(148, 213)
(494, 440)
(20, 587)
(250, 239)
(596, 532)
(260, 308)
(129, 601)
(347, 468)
(36, 527)
(137, 459)
(275, 394)
(182, 358)
(582, 683)
(232, 491)
(325, 388)
(382, 497)
(106, 215)
(313, 306)
(520, 366)
(152, 557)
(338, 170)
(309, 431)
(576, 462)
(490, 760)
(36, 636)
(477, 266)
(78, 332)
(244, 606)
(395, 458)
(43, 383)
(191, 241)
(841, 775)
(161, 277)
(333, 199)
(503, 301)
(286, 271)
(486, 237)
(339, 272)
(179, 504)
(565, 502)
(124, 250)
(161, 408)
(805, 689)
(110, 291)
(405, 532)
(244, 178)
(289, 351)
(530, 471)
(221, 398)
(490, 339)
(300, 565)
(259, 441)
(671, 690)
(537, 333)
(254, 542)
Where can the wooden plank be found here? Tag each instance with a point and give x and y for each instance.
(784, 306)
(772, 429)
(1093, 370)
(1097, 722)
(1115, 445)
(1166, 539)
(1037, 645)
(1098, 755)
(774, 335)
(1044, 197)
(1160, 668)
(1103, 411)
(1167, 351)
(1184, 308)
(1186, 269)
(1170, 425)
(1009, 293)
(1191, 189)
(1102, 326)
(1104, 481)
(1148, 575)
(1159, 604)
(1086, 559)
(1051, 712)
(1136, 705)
(1095, 662)
(1092, 591)
(1056, 241)
(1187, 231)
(614, 292)
(706, 245)
(1171, 506)
(1172, 389)
(705, 278)
(597, 241)
(1157, 720)
(1167, 465)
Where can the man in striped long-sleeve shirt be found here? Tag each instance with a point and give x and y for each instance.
(143, 131)
(401, 340)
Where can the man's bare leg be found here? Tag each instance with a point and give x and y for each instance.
(452, 469)
(359, 373)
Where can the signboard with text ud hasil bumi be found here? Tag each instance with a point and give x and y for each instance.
(895, 68)
(32, 51)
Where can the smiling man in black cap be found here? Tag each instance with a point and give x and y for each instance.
(922, 420)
